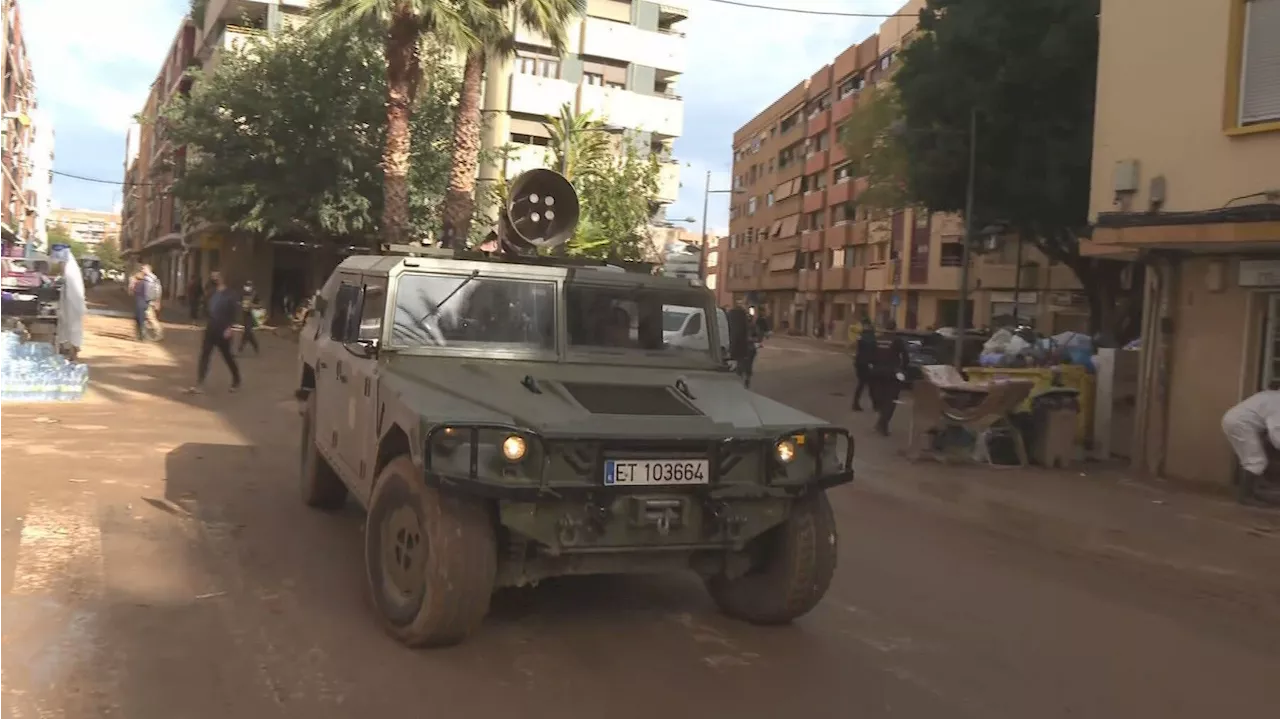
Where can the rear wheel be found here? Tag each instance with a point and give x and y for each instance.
(791, 569)
(321, 486)
(431, 558)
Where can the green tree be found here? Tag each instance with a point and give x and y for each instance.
(1028, 69)
(617, 187)
(403, 25)
(875, 154)
(291, 131)
(59, 234)
(489, 21)
(109, 255)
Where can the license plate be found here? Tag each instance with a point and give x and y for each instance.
(656, 471)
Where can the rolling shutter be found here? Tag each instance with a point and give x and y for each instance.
(1260, 72)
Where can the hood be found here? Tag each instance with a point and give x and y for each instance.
(587, 400)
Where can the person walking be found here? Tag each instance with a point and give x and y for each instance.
(145, 288)
(863, 353)
(888, 363)
(217, 334)
(249, 318)
(743, 338)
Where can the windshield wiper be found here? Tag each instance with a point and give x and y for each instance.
(422, 322)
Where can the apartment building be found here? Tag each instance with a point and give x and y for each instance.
(153, 228)
(1191, 187)
(622, 64)
(20, 222)
(803, 250)
(88, 227)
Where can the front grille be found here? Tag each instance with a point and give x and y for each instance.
(630, 399)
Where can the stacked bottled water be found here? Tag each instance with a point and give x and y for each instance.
(35, 372)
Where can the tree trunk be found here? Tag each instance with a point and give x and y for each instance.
(403, 74)
(459, 199)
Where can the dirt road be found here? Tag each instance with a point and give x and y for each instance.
(157, 564)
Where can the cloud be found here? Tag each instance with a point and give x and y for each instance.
(94, 61)
(740, 61)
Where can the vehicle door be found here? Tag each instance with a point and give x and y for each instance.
(359, 371)
(333, 408)
(693, 335)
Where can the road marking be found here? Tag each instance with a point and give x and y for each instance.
(59, 546)
(51, 615)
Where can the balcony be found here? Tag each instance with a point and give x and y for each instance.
(838, 236)
(669, 181)
(810, 281)
(623, 41)
(811, 240)
(856, 278)
(649, 113)
(233, 38)
(814, 200)
(537, 95)
(839, 192)
(819, 122)
(833, 279)
(842, 108)
(879, 231)
(815, 162)
(780, 280)
(879, 276)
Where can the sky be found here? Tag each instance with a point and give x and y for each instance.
(94, 61)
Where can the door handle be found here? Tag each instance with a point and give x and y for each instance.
(322, 364)
(341, 377)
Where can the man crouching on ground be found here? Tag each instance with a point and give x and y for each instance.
(1247, 425)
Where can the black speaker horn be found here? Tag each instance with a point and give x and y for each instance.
(542, 212)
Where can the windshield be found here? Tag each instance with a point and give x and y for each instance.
(628, 319)
(474, 311)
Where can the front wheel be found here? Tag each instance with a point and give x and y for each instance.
(431, 558)
(791, 568)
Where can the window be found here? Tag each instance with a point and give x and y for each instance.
(615, 85)
(851, 256)
(886, 60)
(844, 172)
(619, 319)
(474, 312)
(768, 200)
(790, 121)
(371, 309)
(593, 78)
(814, 220)
(540, 66)
(952, 254)
(843, 212)
(345, 322)
(751, 206)
(850, 86)
(1259, 58)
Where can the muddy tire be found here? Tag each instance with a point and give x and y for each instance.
(791, 571)
(321, 487)
(431, 558)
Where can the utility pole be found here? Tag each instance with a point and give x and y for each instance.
(962, 321)
(706, 203)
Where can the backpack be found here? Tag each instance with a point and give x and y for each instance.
(152, 289)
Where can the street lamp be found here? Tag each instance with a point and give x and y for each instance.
(706, 203)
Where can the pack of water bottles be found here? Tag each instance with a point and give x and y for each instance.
(35, 372)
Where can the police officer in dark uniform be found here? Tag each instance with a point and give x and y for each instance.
(864, 351)
(889, 360)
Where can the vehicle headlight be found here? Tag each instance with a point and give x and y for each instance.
(785, 450)
(514, 448)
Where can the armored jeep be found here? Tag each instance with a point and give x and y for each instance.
(508, 418)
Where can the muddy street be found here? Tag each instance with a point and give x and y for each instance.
(158, 564)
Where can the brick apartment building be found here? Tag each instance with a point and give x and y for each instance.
(802, 249)
(153, 227)
(17, 199)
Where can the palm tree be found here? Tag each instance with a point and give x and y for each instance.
(579, 142)
(496, 38)
(405, 24)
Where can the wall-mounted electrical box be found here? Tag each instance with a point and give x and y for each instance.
(1126, 176)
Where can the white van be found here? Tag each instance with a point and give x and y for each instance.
(684, 327)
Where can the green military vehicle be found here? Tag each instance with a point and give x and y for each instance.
(506, 417)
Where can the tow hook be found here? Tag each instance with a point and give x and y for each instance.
(661, 513)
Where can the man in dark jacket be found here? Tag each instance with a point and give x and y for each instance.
(864, 351)
(223, 309)
(742, 343)
(889, 360)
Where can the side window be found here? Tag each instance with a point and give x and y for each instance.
(694, 326)
(344, 307)
(371, 311)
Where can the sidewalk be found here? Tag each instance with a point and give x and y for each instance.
(1096, 509)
